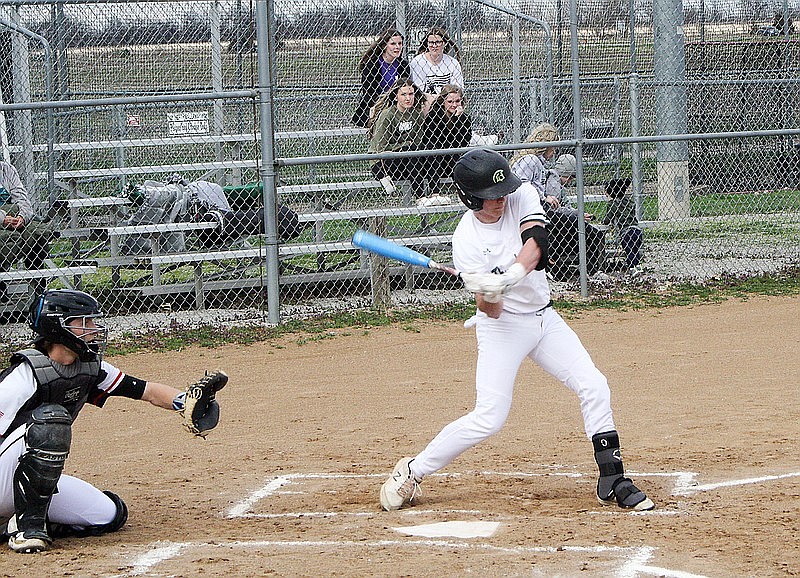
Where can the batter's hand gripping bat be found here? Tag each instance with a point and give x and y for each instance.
(386, 248)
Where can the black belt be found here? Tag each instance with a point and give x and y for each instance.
(549, 304)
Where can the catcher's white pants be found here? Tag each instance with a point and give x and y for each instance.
(503, 344)
(76, 503)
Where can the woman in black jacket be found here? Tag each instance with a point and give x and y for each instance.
(446, 126)
(381, 65)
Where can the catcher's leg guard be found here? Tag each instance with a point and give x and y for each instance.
(612, 486)
(65, 530)
(47, 441)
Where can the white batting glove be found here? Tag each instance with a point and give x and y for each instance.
(492, 297)
(490, 283)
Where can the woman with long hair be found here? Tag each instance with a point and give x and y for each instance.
(380, 66)
(396, 125)
(446, 126)
(433, 67)
(529, 164)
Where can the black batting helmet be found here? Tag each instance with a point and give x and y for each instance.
(49, 314)
(483, 174)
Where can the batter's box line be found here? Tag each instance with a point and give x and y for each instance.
(273, 487)
(634, 559)
(686, 484)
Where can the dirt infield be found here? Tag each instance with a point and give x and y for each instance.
(706, 402)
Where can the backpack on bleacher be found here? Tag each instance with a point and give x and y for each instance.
(162, 203)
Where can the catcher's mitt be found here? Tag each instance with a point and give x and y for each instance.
(201, 410)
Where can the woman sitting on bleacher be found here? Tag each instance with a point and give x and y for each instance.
(22, 238)
(396, 126)
(446, 126)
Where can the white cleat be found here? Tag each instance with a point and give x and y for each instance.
(19, 543)
(401, 487)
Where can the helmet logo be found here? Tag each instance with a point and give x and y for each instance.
(498, 176)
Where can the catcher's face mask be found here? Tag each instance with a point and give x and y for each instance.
(89, 330)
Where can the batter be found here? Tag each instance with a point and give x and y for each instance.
(502, 243)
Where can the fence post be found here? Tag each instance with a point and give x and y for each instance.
(636, 148)
(515, 87)
(379, 269)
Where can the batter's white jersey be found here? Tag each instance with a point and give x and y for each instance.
(484, 248)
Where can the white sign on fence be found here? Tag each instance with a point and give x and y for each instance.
(183, 123)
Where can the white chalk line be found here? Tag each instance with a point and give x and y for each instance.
(685, 484)
(242, 509)
(692, 489)
(636, 557)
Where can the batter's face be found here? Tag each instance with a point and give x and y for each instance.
(492, 210)
(393, 48)
(405, 98)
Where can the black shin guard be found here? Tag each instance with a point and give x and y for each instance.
(609, 461)
(47, 438)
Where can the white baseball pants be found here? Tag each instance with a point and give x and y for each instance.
(76, 503)
(503, 344)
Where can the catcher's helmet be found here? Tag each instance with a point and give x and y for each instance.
(483, 174)
(49, 314)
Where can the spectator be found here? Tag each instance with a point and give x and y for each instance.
(396, 125)
(433, 68)
(529, 164)
(21, 236)
(446, 126)
(621, 216)
(380, 66)
(563, 224)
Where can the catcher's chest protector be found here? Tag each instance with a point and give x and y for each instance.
(52, 387)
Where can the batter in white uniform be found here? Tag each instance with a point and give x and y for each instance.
(501, 242)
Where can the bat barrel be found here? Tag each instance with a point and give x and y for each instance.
(386, 248)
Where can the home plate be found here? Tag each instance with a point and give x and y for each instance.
(451, 529)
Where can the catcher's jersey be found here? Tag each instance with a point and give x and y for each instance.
(484, 248)
(18, 386)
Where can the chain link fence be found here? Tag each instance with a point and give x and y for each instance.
(136, 131)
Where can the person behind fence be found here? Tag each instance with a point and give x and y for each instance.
(621, 216)
(22, 237)
(433, 67)
(396, 126)
(380, 66)
(500, 245)
(529, 164)
(41, 393)
(563, 223)
(446, 126)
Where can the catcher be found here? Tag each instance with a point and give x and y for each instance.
(41, 393)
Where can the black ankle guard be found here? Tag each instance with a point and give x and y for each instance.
(605, 441)
(607, 455)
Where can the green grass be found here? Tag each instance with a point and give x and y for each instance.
(411, 319)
